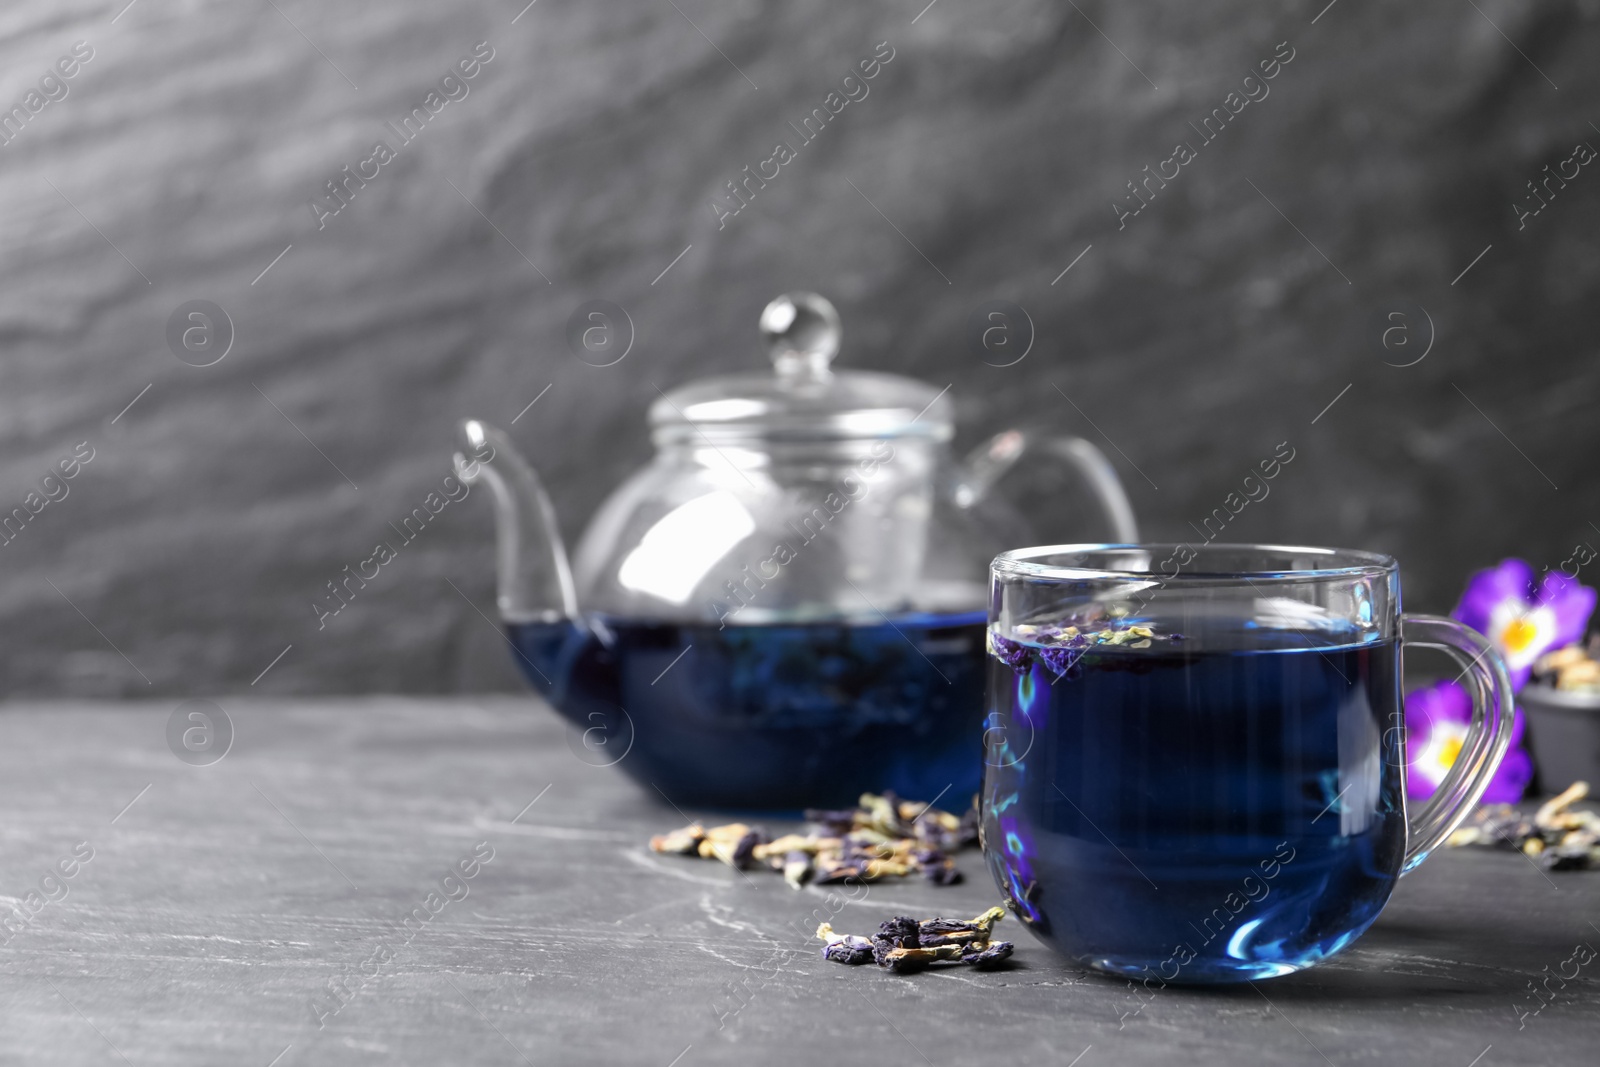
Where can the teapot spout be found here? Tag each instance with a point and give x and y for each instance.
(535, 582)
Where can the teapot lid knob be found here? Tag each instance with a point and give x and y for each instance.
(802, 335)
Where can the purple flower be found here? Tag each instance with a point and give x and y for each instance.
(1522, 619)
(1437, 719)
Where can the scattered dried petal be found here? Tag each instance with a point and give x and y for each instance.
(904, 945)
(744, 851)
(684, 841)
(990, 956)
(732, 831)
(911, 960)
(1567, 858)
(797, 868)
(844, 948)
(1551, 809)
(832, 869)
(881, 868)
(788, 843)
(884, 837)
(896, 933)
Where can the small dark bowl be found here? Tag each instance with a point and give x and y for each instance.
(1563, 729)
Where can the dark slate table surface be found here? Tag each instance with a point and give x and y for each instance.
(221, 901)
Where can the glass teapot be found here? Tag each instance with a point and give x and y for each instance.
(786, 607)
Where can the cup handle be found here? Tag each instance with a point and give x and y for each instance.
(987, 463)
(1488, 736)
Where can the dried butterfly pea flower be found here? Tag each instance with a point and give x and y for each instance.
(838, 823)
(1559, 836)
(1063, 661)
(744, 851)
(781, 847)
(1578, 856)
(906, 932)
(899, 932)
(850, 949)
(1506, 825)
(883, 814)
(886, 868)
(1013, 654)
(904, 945)
(937, 867)
(990, 917)
(797, 868)
(685, 841)
(1570, 668)
(911, 960)
(983, 924)
(721, 850)
(1061, 648)
(732, 831)
(832, 869)
(911, 811)
(946, 831)
(844, 948)
(1553, 811)
(959, 931)
(949, 932)
(986, 958)
(1495, 824)
(869, 837)
(733, 844)
(883, 837)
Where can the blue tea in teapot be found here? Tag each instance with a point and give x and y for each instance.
(786, 606)
(772, 715)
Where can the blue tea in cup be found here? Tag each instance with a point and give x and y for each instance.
(1194, 756)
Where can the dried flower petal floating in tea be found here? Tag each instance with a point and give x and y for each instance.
(884, 837)
(1059, 648)
(904, 945)
(1559, 836)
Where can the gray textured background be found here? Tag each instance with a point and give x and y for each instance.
(1195, 339)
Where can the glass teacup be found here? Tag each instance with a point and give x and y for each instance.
(1194, 756)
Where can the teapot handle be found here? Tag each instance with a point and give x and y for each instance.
(989, 462)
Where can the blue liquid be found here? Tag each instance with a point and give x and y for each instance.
(778, 717)
(1180, 814)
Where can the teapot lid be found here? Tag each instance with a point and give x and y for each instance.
(803, 397)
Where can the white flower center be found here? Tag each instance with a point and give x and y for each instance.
(1521, 634)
